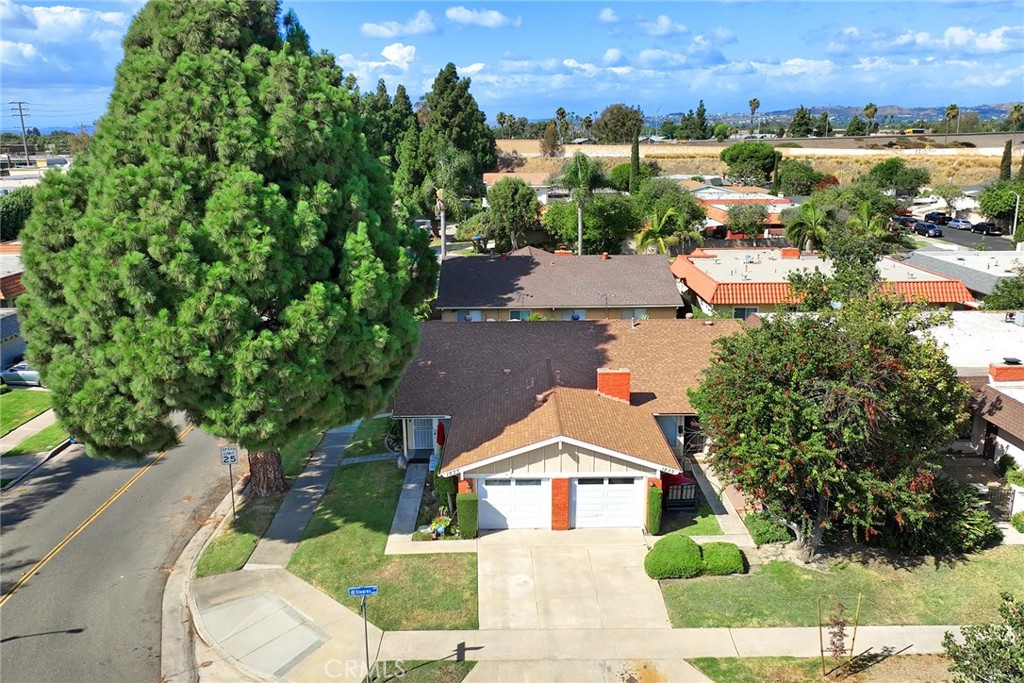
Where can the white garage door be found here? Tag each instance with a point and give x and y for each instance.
(514, 503)
(610, 502)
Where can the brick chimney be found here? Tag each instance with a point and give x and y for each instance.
(614, 383)
(997, 372)
(563, 252)
(790, 252)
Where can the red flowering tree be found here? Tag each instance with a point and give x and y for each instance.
(834, 418)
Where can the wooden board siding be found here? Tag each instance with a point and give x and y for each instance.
(571, 460)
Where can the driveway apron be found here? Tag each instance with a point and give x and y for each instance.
(584, 578)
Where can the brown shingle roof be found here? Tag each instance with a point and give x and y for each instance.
(1000, 409)
(487, 377)
(536, 279)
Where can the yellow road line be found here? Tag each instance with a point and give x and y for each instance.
(88, 520)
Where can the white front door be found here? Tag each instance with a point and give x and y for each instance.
(514, 503)
(606, 502)
(423, 433)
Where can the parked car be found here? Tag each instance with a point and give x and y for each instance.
(906, 221)
(21, 373)
(900, 211)
(959, 224)
(927, 229)
(985, 228)
(936, 217)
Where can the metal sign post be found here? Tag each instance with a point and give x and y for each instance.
(361, 592)
(229, 457)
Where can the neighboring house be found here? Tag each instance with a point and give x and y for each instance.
(982, 347)
(717, 200)
(12, 345)
(10, 273)
(531, 281)
(738, 282)
(557, 425)
(980, 271)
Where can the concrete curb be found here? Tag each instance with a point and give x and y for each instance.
(178, 623)
(57, 450)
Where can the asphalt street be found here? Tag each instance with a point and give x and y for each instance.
(92, 612)
(966, 238)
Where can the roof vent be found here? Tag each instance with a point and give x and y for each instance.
(507, 371)
(605, 256)
(709, 323)
(1012, 361)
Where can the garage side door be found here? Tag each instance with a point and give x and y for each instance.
(514, 503)
(605, 503)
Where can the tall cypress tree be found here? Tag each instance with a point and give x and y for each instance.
(226, 246)
(701, 119)
(1006, 164)
(634, 164)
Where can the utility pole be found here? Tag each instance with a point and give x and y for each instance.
(21, 115)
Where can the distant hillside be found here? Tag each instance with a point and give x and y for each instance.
(840, 115)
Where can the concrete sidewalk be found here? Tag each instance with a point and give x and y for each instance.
(27, 430)
(276, 547)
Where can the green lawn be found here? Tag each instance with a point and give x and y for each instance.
(760, 669)
(46, 440)
(231, 549)
(18, 407)
(784, 594)
(369, 438)
(344, 543)
(701, 522)
(443, 671)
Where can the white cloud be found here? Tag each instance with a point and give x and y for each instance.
(419, 24)
(607, 16)
(723, 36)
(612, 55)
(18, 54)
(487, 18)
(471, 69)
(1002, 39)
(585, 68)
(662, 26)
(653, 58)
(396, 56)
(620, 70)
(519, 65)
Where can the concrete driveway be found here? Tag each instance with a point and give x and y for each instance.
(583, 578)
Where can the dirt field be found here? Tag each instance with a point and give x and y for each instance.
(965, 166)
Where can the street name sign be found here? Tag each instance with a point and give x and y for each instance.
(360, 591)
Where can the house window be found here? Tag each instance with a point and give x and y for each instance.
(469, 316)
(638, 313)
(519, 314)
(574, 314)
(742, 312)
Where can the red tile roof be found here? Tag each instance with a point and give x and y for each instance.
(744, 293)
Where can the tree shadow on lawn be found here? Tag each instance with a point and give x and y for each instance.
(365, 494)
(868, 556)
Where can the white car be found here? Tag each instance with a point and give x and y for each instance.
(959, 224)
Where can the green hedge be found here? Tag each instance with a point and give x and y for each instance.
(1018, 522)
(766, 529)
(1005, 464)
(4, 389)
(653, 510)
(445, 486)
(721, 559)
(468, 505)
(673, 557)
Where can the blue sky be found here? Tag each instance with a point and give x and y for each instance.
(528, 58)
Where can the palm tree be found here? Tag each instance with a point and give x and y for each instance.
(587, 123)
(755, 104)
(560, 116)
(448, 182)
(873, 226)
(581, 176)
(870, 109)
(1016, 118)
(952, 112)
(664, 232)
(810, 226)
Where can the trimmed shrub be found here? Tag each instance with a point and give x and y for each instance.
(468, 505)
(1005, 464)
(1017, 521)
(959, 524)
(673, 557)
(445, 486)
(1015, 477)
(4, 389)
(764, 528)
(722, 559)
(653, 510)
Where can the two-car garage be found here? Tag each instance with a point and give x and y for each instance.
(594, 502)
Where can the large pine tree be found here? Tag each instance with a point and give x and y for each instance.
(226, 247)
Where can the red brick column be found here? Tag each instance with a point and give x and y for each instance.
(560, 504)
(465, 485)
